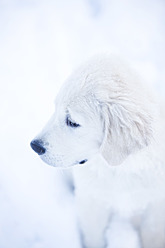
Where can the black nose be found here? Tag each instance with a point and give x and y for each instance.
(37, 146)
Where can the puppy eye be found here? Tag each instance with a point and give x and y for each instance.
(70, 123)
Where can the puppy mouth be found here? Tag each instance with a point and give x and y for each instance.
(59, 162)
(38, 147)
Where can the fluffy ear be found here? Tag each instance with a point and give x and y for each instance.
(127, 129)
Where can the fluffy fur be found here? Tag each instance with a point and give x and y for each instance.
(120, 191)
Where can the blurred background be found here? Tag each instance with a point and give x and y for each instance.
(41, 42)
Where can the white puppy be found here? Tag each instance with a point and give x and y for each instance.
(105, 117)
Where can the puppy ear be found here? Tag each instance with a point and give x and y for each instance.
(127, 129)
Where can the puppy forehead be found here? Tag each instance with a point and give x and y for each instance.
(86, 84)
(82, 81)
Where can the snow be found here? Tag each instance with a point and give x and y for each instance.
(40, 43)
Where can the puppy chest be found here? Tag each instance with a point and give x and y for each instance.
(120, 192)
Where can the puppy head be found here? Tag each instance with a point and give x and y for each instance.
(74, 133)
(102, 108)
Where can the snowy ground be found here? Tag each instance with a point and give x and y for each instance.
(40, 43)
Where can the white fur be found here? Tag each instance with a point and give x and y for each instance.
(118, 206)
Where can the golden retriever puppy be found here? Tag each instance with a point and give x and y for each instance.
(108, 132)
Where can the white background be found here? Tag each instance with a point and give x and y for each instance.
(40, 43)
